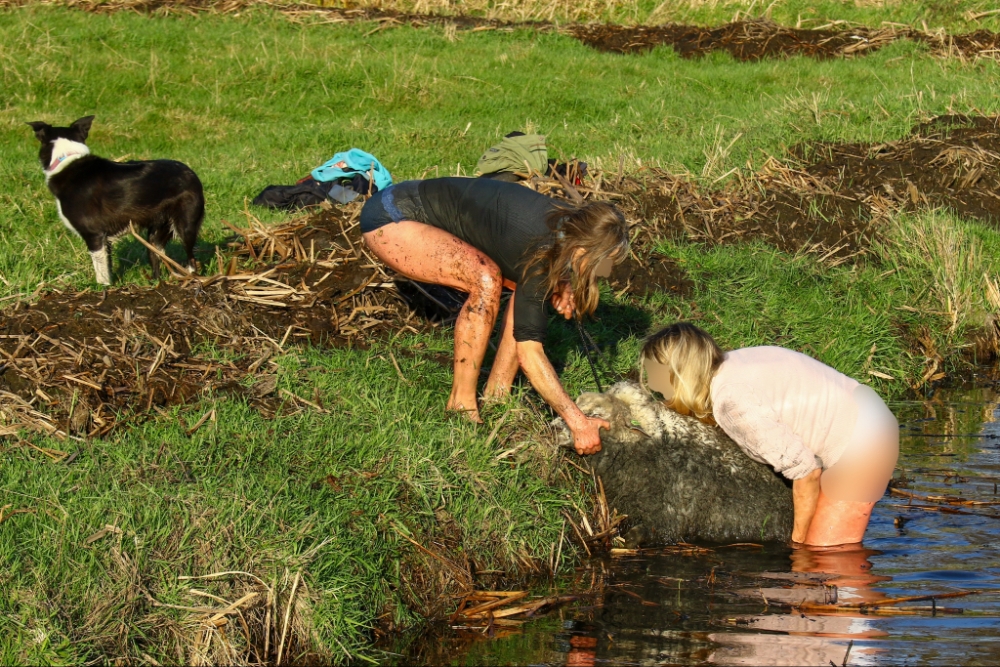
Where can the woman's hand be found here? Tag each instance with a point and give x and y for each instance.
(562, 300)
(587, 435)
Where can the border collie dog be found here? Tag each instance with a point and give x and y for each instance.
(98, 198)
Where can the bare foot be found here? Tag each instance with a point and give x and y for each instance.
(494, 397)
(472, 414)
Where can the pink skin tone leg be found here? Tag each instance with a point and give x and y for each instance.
(838, 521)
(505, 365)
(431, 255)
(849, 489)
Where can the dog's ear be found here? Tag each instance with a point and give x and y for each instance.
(82, 127)
(41, 130)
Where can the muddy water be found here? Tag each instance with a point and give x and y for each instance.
(674, 609)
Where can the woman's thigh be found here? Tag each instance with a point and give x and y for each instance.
(428, 254)
(866, 466)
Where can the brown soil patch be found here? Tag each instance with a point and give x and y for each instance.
(648, 273)
(80, 362)
(756, 40)
(951, 161)
(744, 40)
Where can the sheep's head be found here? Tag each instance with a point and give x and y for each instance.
(609, 408)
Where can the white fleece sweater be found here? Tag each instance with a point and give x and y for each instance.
(784, 408)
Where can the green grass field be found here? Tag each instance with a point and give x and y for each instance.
(255, 99)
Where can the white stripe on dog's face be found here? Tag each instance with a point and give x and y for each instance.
(64, 151)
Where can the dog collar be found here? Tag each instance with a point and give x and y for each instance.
(59, 160)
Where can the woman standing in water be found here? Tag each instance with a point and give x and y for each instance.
(477, 235)
(832, 436)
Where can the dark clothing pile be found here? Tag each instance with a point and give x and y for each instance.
(506, 221)
(310, 192)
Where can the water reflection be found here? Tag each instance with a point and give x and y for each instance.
(671, 609)
(849, 568)
(818, 637)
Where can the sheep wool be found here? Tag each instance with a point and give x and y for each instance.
(677, 478)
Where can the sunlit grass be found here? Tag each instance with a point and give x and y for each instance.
(255, 99)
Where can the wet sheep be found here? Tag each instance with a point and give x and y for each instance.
(679, 479)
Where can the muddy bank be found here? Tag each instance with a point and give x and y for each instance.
(744, 40)
(758, 40)
(79, 362)
(950, 161)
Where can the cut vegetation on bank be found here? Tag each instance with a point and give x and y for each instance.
(255, 462)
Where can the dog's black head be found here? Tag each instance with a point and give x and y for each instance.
(47, 134)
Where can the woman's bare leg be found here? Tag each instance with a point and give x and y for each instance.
(838, 521)
(505, 364)
(850, 488)
(432, 255)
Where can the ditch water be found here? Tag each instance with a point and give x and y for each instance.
(707, 608)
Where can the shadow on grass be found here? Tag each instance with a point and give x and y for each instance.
(129, 253)
(609, 327)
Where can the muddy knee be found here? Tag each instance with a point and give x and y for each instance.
(484, 295)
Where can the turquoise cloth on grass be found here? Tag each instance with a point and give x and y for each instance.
(349, 163)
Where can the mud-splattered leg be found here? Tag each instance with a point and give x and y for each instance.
(505, 364)
(431, 255)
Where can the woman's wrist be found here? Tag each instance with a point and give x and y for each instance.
(573, 416)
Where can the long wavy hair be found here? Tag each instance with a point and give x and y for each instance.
(600, 230)
(692, 357)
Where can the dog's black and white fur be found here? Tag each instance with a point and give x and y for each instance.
(98, 198)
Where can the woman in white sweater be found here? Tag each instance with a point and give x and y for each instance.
(832, 436)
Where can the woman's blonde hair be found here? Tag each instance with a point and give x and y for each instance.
(600, 230)
(692, 357)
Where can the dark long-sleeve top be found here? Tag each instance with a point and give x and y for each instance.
(505, 221)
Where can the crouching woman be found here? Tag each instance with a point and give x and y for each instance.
(477, 235)
(832, 436)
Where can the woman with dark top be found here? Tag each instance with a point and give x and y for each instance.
(478, 235)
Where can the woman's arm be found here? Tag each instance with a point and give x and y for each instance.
(805, 495)
(759, 433)
(586, 430)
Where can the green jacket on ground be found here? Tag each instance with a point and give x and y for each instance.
(515, 154)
